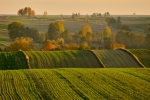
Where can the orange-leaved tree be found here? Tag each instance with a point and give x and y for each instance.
(50, 47)
(21, 43)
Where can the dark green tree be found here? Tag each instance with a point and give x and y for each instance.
(15, 29)
(33, 33)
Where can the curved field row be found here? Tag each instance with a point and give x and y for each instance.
(143, 55)
(62, 59)
(116, 59)
(12, 60)
(78, 84)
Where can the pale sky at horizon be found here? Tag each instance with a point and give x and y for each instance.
(67, 7)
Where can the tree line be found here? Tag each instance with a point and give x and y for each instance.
(16, 29)
(27, 11)
(58, 37)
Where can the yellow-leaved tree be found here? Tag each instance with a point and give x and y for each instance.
(55, 29)
(86, 29)
(24, 44)
(107, 32)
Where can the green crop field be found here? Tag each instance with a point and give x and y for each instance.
(77, 74)
(143, 56)
(73, 59)
(78, 84)
(12, 60)
(116, 59)
(62, 59)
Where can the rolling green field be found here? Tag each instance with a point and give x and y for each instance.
(116, 59)
(12, 60)
(63, 59)
(72, 59)
(143, 55)
(69, 75)
(78, 84)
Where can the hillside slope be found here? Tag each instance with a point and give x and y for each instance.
(67, 84)
(116, 59)
(143, 55)
(63, 59)
(12, 60)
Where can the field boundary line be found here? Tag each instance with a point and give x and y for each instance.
(98, 58)
(27, 60)
(135, 57)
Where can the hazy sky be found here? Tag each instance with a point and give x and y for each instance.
(54, 7)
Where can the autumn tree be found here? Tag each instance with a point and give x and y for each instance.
(77, 37)
(21, 43)
(112, 44)
(31, 13)
(50, 47)
(58, 43)
(89, 37)
(85, 29)
(66, 35)
(27, 11)
(98, 37)
(55, 29)
(107, 32)
(72, 46)
(21, 12)
(130, 39)
(83, 46)
(106, 35)
(86, 32)
(16, 29)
